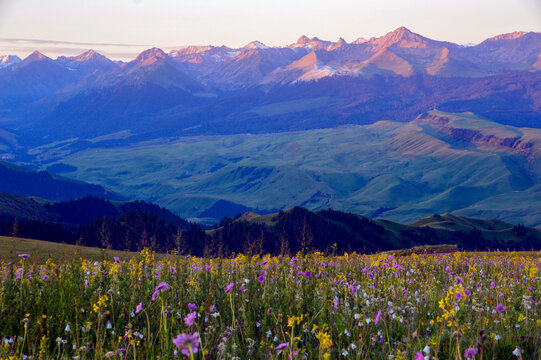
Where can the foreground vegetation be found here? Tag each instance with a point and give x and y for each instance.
(445, 306)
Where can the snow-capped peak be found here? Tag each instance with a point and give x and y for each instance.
(5, 59)
(255, 45)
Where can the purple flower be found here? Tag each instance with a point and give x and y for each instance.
(307, 274)
(207, 268)
(229, 287)
(294, 353)
(282, 346)
(500, 308)
(192, 306)
(190, 318)
(493, 285)
(467, 292)
(470, 353)
(138, 308)
(187, 342)
(117, 260)
(458, 280)
(155, 295)
(447, 269)
(419, 356)
(351, 289)
(378, 316)
(261, 278)
(163, 286)
(212, 308)
(24, 256)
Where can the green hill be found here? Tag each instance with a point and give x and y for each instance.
(438, 163)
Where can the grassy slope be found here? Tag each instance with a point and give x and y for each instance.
(409, 170)
(40, 251)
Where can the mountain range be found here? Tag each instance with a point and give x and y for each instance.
(256, 88)
(399, 126)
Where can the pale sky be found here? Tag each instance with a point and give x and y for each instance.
(122, 28)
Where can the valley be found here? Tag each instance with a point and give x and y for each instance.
(439, 162)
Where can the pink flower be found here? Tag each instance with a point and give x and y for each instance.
(186, 342)
(282, 346)
(212, 308)
(419, 356)
(378, 316)
(307, 274)
(138, 308)
(190, 318)
(351, 289)
(229, 287)
(117, 260)
(192, 306)
(24, 256)
(500, 308)
(207, 268)
(261, 278)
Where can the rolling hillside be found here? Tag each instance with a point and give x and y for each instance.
(438, 163)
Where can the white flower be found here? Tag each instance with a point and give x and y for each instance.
(345, 353)
(516, 352)
(356, 316)
(497, 337)
(68, 328)
(426, 350)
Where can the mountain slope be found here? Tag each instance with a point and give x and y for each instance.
(25, 182)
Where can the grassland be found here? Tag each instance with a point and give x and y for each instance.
(399, 171)
(40, 251)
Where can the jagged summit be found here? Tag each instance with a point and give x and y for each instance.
(508, 36)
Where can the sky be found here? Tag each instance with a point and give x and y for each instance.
(122, 28)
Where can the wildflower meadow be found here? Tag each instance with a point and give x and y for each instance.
(384, 306)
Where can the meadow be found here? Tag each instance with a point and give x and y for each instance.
(384, 306)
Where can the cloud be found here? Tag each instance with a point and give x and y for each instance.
(56, 42)
(54, 48)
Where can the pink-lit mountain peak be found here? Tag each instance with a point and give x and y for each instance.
(150, 56)
(402, 37)
(313, 43)
(509, 36)
(35, 56)
(88, 55)
(255, 45)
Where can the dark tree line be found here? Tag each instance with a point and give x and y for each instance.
(287, 232)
